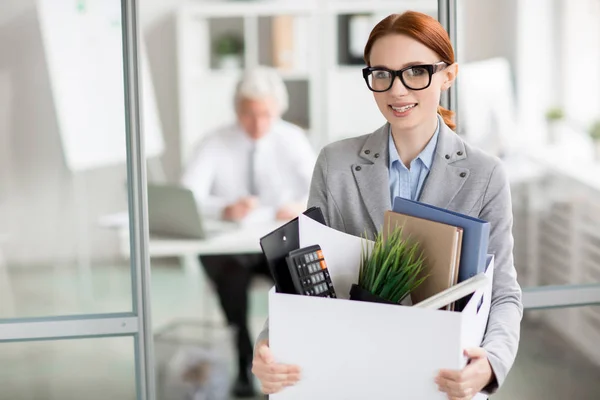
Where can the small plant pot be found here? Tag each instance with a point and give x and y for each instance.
(230, 61)
(360, 294)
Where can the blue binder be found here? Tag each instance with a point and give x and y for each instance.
(476, 233)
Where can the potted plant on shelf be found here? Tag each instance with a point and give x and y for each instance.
(553, 118)
(229, 50)
(390, 271)
(595, 135)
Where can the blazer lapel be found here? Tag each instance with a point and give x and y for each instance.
(372, 176)
(445, 180)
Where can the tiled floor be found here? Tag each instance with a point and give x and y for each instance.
(546, 368)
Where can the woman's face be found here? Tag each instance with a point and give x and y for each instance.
(403, 108)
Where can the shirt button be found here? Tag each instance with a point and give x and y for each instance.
(459, 153)
(447, 156)
(358, 168)
(367, 151)
(376, 155)
(463, 174)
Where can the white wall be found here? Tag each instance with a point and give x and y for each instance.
(488, 29)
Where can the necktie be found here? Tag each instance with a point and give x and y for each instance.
(252, 189)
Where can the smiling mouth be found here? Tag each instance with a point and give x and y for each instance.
(403, 108)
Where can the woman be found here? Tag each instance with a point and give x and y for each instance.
(417, 155)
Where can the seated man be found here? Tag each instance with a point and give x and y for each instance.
(260, 161)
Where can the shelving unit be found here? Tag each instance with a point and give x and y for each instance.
(568, 247)
(328, 96)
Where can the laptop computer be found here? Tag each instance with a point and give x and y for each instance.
(173, 212)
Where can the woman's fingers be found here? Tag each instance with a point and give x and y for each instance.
(283, 369)
(274, 369)
(286, 378)
(282, 378)
(272, 388)
(278, 383)
(273, 377)
(293, 378)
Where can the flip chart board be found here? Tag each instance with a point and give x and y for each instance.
(83, 47)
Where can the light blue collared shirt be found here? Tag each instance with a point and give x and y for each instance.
(408, 183)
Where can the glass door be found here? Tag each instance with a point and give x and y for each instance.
(518, 98)
(74, 317)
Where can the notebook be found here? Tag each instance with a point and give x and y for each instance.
(441, 246)
(476, 233)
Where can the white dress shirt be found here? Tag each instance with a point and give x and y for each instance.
(218, 174)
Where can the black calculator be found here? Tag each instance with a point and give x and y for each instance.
(309, 272)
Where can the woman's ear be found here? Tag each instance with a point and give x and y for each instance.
(450, 76)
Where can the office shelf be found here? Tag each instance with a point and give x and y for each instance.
(302, 39)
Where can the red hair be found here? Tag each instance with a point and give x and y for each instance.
(424, 29)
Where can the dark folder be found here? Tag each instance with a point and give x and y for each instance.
(278, 244)
(476, 233)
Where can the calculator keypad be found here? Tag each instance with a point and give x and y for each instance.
(313, 278)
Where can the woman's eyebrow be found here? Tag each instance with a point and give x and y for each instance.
(409, 64)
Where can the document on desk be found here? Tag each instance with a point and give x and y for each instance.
(259, 215)
(357, 350)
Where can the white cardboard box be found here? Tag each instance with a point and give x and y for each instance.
(356, 350)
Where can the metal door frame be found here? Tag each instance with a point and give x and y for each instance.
(136, 324)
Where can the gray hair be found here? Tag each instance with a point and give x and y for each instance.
(260, 82)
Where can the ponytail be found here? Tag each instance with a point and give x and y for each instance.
(448, 117)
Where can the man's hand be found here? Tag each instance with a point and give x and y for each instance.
(239, 209)
(289, 211)
(273, 377)
(463, 385)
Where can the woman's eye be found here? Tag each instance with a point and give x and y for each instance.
(381, 75)
(418, 71)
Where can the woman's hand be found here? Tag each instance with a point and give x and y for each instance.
(463, 385)
(273, 377)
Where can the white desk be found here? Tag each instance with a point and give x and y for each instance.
(222, 238)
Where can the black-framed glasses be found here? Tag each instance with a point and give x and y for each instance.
(414, 77)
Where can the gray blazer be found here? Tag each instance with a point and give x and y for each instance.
(350, 184)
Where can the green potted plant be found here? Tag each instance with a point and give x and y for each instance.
(229, 50)
(595, 135)
(554, 116)
(390, 271)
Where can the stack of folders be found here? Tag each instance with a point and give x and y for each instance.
(454, 245)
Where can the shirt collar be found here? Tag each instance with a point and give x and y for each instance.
(426, 155)
(249, 142)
